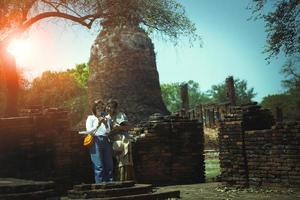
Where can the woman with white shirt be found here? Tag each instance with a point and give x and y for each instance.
(101, 150)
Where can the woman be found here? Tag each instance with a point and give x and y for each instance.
(101, 150)
(121, 141)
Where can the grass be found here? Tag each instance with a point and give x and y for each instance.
(212, 166)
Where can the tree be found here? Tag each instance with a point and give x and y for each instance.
(285, 101)
(218, 93)
(57, 89)
(292, 75)
(288, 100)
(129, 50)
(52, 89)
(81, 74)
(171, 95)
(283, 35)
(2, 92)
(282, 26)
(196, 97)
(16, 16)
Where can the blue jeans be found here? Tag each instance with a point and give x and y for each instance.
(101, 156)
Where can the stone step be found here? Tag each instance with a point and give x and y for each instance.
(25, 188)
(109, 185)
(12, 185)
(113, 192)
(33, 195)
(148, 196)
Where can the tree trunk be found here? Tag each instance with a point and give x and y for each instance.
(8, 64)
(123, 67)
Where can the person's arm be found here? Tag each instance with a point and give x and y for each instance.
(91, 125)
(121, 123)
(104, 121)
(122, 127)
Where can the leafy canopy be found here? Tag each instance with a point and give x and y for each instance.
(167, 17)
(285, 101)
(171, 95)
(218, 93)
(65, 89)
(282, 18)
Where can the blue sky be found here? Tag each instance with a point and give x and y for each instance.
(232, 45)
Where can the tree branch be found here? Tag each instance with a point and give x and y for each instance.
(27, 8)
(292, 72)
(23, 27)
(80, 20)
(51, 5)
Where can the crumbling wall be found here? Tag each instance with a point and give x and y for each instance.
(273, 155)
(43, 147)
(232, 153)
(252, 152)
(171, 151)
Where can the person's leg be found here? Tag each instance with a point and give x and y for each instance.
(108, 161)
(96, 152)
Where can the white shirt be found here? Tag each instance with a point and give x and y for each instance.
(92, 124)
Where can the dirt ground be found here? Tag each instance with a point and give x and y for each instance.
(218, 191)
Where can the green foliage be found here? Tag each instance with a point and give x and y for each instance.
(52, 89)
(81, 74)
(66, 90)
(166, 17)
(77, 107)
(218, 93)
(283, 35)
(285, 101)
(171, 95)
(292, 74)
(195, 95)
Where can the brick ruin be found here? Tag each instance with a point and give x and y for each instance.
(254, 151)
(170, 152)
(41, 146)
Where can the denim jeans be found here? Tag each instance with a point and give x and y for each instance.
(101, 156)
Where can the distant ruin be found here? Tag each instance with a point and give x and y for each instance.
(254, 148)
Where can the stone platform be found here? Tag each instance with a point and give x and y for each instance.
(18, 189)
(118, 191)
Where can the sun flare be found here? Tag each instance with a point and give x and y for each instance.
(19, 48)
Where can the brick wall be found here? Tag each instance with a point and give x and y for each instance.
(254, 153)
(42, 147)
(274, 155)
(170, 152)
(232, 160)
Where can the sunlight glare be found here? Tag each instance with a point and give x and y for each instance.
(19, 48)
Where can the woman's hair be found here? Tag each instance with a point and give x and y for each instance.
(95, 104)
(113, 102)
